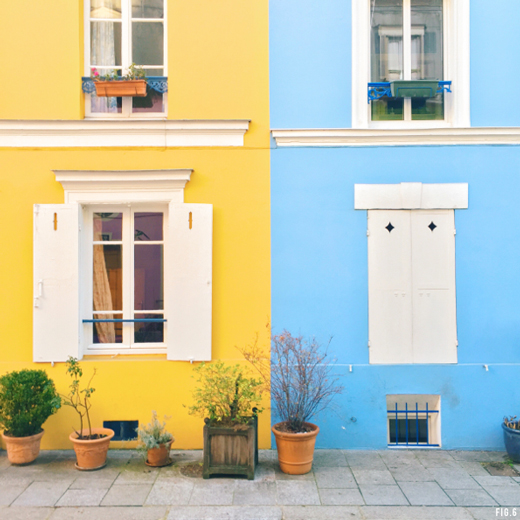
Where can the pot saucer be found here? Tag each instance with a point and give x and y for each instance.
(168, 463)
(89, 469)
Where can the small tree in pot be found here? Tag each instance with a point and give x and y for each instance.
(300, 374)
(27, 399)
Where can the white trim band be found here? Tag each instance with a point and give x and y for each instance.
(411, 195)
(134, 133)
(409, 137)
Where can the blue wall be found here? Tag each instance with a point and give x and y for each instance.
(320, 284)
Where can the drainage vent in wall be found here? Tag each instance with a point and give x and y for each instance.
(124, 430)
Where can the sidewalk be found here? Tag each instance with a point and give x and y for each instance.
(364, 485)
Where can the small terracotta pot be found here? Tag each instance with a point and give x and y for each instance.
(22, 450)
(91, 454)
(160, 456)
(121, 88)
(295, 450)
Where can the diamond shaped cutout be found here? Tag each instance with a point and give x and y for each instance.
(389, 227)
(432, 226)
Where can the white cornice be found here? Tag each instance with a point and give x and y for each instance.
(405, 137)
(123, 185)
(127, 133)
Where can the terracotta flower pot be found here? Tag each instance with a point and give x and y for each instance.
(295, 450)
(91, 454)
(160, 456)
(121, 88)
(22, 450)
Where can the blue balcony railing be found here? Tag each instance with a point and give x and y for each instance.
(376, 90)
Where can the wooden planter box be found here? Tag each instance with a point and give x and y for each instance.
(230, 451)
(123, 88)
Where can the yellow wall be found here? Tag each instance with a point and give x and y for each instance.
(218, 62)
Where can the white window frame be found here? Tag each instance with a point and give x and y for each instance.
(126, 36)
(128, 346)
(456, 69)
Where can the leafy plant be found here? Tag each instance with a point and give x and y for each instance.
(80, 399)
(27, 399)
(153, 434)
(225, 394)
(134, 72)
(512, 423)
(300, 376)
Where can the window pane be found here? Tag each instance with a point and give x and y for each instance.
(105, 44)
(153, 102)
(148, 277)
(147, 43)
(148, 226)
(107, 226)
(428, 109)
(107, 332)
(148, 332)
(105, 8)
(147, 9)
(108, 278)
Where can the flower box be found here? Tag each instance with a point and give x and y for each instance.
(414, 88)
(121, 88)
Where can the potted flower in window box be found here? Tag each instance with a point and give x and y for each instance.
(27, 399)
(90, 444)
(228, 399)
(133, 84)
(155, 442)
(302, 385)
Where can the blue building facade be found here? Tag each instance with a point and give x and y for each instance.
(327, 148)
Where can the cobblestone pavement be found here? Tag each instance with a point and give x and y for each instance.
(352, 485)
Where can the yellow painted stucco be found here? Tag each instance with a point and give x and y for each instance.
(218, 69)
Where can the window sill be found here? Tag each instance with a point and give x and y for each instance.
(339, 137)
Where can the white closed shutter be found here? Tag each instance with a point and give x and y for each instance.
(389, 287)
(55, 284)
(189, 282)
(433, 280)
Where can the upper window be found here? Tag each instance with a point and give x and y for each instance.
(117, 34)
(407, 44)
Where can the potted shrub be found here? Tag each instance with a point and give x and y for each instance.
(155, 442)
(228, 399)
(90, 444)
(132, 84)
(27, 399)
(302, 385)
(511, 429)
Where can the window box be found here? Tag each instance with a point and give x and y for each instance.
(414, 88)
(122, 88)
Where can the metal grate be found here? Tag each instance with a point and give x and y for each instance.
(410, 427)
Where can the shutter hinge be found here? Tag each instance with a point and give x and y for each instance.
(368, 233)
(454, 231)
(369, 344)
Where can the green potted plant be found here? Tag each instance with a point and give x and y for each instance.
(90, 444)
(228, 399)
(132, 84)
(511, 428)
(27, 399)
(155, 442)
(300, 375)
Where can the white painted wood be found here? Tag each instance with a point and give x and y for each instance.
(55, 284)
(389, 287)
(426, 136)
(411, 195)
(189, 282)
(433, 283)
(123, 133)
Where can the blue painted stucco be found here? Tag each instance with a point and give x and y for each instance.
(320, 284)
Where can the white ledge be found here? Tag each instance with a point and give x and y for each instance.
(127, 133)
(404, 137)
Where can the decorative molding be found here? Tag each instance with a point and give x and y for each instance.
(119, 186)
(411, 195)
(126, 133)
(404, 137)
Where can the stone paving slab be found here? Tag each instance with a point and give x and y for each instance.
(127, 495)
(44, 494)
(470, 497)
(213, 492)
(383, 495)
(322, 513)
(171, 492)
(334, 477)
(425, 494)
(225, 513)
(82, 497)
(373, 477)
(109, 513)
(416, 513)
(25, 513)
(249, 492)
(452, 478)
(341, 497)
(9, 493)
(292, 493)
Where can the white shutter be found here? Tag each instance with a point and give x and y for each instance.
(55, 284)
(389, 287)
(433, 280)
(189, 282)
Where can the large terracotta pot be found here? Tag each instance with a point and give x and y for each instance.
(160, 456)
(91, 454)
(295, 450)
(121, 88)
(22, 450)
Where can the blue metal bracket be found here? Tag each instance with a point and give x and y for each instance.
(157, 83)
(144, 320)
(379, 89)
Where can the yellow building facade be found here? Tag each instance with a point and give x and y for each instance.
(206, 141)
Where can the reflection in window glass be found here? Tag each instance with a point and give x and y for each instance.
(147, 9)
(147, 43)
(104, 332)
(149, 332)
(148, 277)
(148, 226)
(108, 227)
(105, 8)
